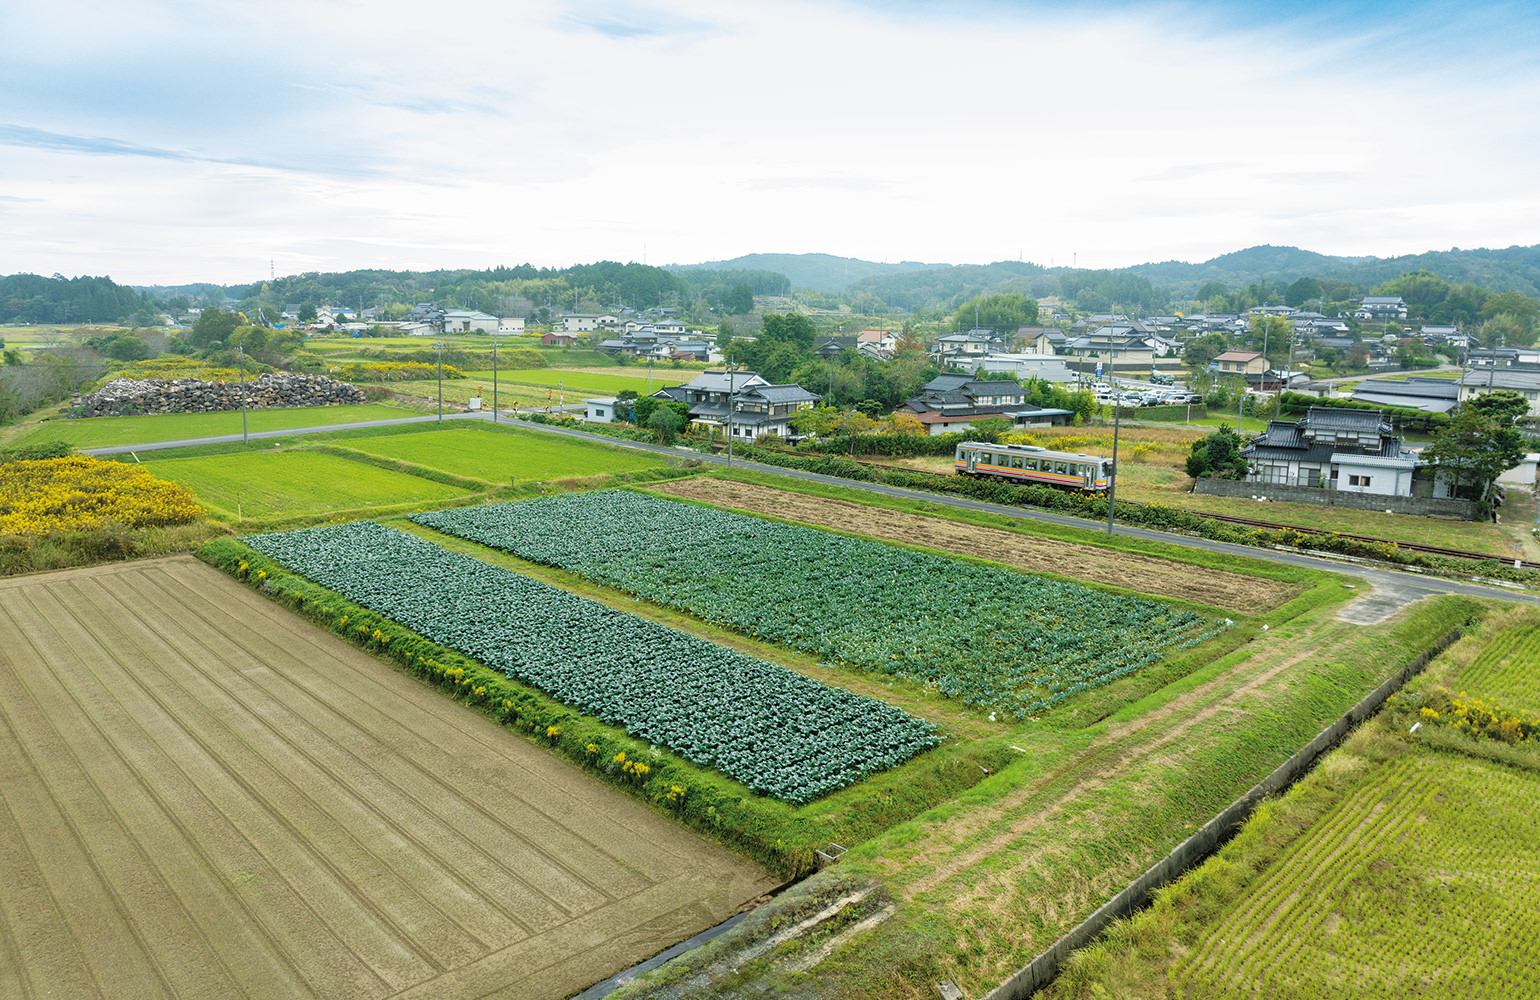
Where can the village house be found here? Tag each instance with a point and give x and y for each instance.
(1243, 363)
(951, 403)
(741, 403)
(1333, 448)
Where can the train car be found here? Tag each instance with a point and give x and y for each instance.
(1031, 464)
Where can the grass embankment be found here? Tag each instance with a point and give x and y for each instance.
(990, 878)
(1402, 865)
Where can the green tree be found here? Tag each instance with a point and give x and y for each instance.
(1003, 313)
(307, 313)
(991, 429)
(1302, 291)
(1218, 456)
(816, 420)
(739, 299)
(666, 423)
(213, 325)
(1270, 334)
(1502, 406)
(1473, 449)
(1201, 351)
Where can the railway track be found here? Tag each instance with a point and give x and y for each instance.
(1252, 522)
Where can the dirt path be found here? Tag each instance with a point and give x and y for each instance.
(1149, 575)
(207, 797)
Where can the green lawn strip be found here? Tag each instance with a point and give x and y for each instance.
(1143, 956)
(778, 835)
(504, 454)
(104, 432)
(995, 913)
(287, 483)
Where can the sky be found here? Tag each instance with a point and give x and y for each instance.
(170, 141)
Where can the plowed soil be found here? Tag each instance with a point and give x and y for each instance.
(1149, 575)
(207, 797)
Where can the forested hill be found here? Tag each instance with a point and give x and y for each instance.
(1514, 269)
(819, 272)
(31, 298)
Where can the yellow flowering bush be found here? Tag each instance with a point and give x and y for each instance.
(78, 493)
(1478, 718)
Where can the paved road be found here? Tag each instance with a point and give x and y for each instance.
(1392, 589)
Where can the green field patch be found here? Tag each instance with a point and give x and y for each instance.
(578, 383)
(290, 483)
(1403, 886)
(777, 732)
(984, 635)
(1507, 671)
(501, 455)
(106, 432)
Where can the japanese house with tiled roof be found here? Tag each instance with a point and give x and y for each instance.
(1333, 448)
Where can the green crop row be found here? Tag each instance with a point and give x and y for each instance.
(988, 636)
(1355, 908)
(777, 732)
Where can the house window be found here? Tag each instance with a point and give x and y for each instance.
(1359, 480)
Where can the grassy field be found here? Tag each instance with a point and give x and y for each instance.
(1401, 866)
(104, 432)
(288, 483)
(607, 382)
(502, 455)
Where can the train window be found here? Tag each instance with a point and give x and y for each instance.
(1030, 465)
(987, 457)
(1059, 468)
(1015, 461)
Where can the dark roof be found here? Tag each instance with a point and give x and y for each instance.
(1332, 418)
(781, 393)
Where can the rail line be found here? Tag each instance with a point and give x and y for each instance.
(1433, 550)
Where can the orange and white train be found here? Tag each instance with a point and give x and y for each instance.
(1031, 464)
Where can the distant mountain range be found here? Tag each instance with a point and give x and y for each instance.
(1514, 269)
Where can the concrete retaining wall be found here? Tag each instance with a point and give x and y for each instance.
(1425, 506)
(1209, 838)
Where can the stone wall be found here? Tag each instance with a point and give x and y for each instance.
(131, 397)
(1425, 506)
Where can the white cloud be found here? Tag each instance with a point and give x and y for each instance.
(198, 143)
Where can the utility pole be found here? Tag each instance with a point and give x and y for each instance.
(240, 351)
(730, 374)
(439, 346)
(494, 376)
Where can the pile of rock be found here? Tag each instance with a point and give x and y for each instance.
(127, 396)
